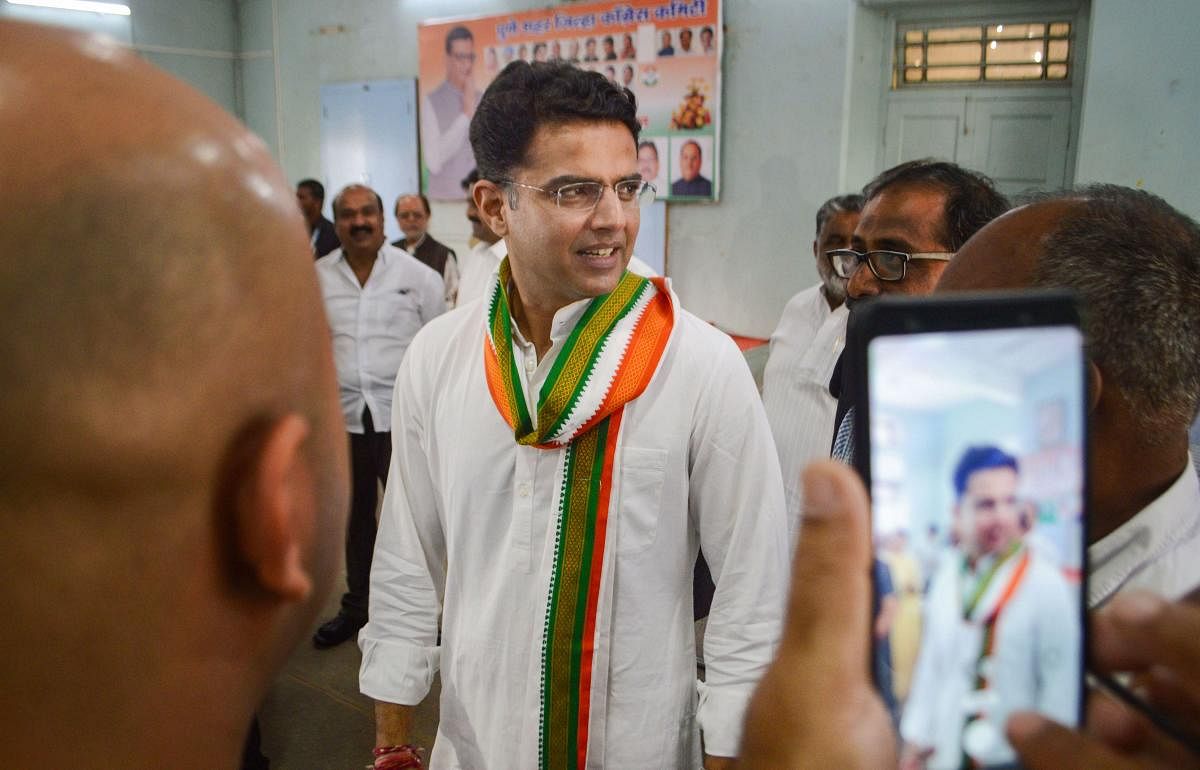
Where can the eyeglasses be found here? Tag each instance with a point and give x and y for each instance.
(463, 57)
(583, 196)
(886, 265)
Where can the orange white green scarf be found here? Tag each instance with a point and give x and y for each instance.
(607, 361)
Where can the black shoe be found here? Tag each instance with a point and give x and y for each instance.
(334, 632)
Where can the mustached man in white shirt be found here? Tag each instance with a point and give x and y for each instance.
(1000, 631)
(803, 350)
(561, 452)
(377, 297)
(1134, 262)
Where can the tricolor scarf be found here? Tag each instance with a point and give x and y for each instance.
(1011, 566)
(606, 362)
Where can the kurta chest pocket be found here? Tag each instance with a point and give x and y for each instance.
(643, 475)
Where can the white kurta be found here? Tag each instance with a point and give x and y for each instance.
(1157, 550)
(1036, 664)
(804, 348)
(466, 528)
(476, 270)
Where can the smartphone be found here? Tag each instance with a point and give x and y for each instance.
(971, 415)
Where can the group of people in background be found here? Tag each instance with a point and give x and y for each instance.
(179, 382)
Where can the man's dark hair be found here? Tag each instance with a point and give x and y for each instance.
(1134, 261)
(695, 144)
(315, 188)
(527, 95)
(649, 144)
(470, 179)
(980, 458)
(608, 40)
(972, 199)
(421, 196)
(337, 199)
(458, 33)
(837, 205)
(709, 30)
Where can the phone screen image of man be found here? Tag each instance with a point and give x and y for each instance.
(977, 517)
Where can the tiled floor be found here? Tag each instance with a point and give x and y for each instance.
(314, 718)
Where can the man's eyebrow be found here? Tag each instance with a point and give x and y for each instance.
(892, 244)
(564, 179)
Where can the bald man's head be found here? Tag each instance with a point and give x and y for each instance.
(1134, 261)
(169, 433)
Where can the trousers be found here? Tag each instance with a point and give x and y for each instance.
(370, 456)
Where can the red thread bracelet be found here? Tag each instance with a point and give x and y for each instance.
(397, 757)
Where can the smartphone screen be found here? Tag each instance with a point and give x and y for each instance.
(976, 442)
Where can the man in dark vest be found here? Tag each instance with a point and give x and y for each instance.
(446, 117)
(412, 214)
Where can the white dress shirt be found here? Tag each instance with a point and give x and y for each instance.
(373, 325)
(466, 530)
(477, 268)
(803, 350)
(1035, 664)
(1157, 550)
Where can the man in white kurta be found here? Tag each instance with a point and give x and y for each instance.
(1001, 631)
(803, 350)
(468, 530)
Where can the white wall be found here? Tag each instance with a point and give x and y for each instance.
(802, 119)
(195, 40)
(734, 263)
(1141, 99)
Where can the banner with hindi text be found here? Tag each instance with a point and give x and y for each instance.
(668, 52)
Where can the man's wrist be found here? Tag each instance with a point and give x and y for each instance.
(397, 757)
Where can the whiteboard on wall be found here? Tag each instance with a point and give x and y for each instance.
(369, 136)
(651, 244)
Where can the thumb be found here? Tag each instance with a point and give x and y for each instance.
(829, 606)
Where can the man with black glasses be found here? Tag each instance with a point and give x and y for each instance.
(915, 217)
(561, 452)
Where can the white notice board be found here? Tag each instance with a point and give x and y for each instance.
(369, 136)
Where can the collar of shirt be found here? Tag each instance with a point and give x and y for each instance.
(411, 248)
(534, 372)
(382, 257)
(1157, 529)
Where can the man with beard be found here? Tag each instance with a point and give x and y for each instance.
(377, 297)
(803, 350)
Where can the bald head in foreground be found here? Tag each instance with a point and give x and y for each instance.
(1134, 262)
(172, 483)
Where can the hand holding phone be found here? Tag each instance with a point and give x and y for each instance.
(972, 410)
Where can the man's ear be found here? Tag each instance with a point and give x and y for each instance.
(274, 506)
(815, 254)
(489, 199)
(1095, 386)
